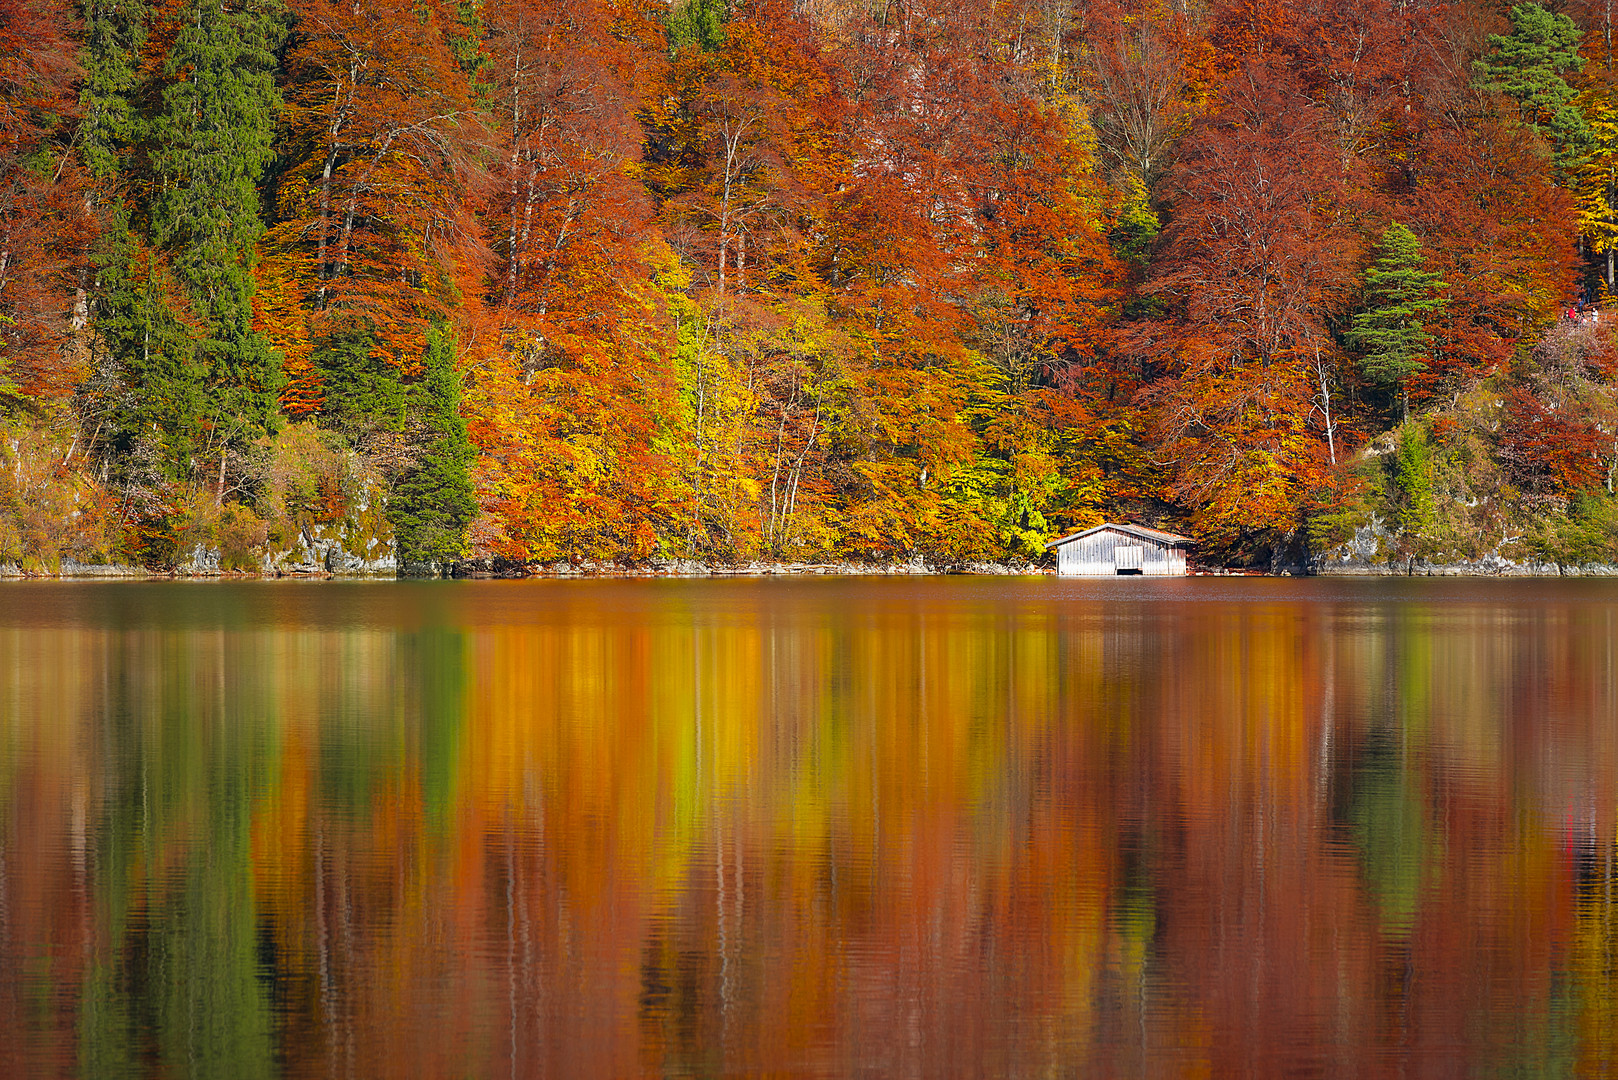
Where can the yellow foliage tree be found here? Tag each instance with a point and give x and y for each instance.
(1596, 184)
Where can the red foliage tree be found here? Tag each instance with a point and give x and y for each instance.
(568, 384)
(1150, 68)
(45, 222)
(1549, 452)
(1477, 188)
(566, 215)
(1258, 257)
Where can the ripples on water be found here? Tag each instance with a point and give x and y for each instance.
(826, 827)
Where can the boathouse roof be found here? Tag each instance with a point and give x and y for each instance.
(1141, 532)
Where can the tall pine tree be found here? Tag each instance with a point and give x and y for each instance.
(212, 144)
(433, 502)
(147, 368)
(1390, 332)
(146, 386)
(114, 32)
(1527, 66)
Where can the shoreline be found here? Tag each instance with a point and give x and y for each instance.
(483, 570)
(475, 571)
(1491, 566)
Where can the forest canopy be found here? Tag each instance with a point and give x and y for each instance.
(604, 279)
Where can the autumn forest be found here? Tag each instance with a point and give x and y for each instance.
(875, 281)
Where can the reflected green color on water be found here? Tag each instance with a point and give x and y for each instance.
(818, 827)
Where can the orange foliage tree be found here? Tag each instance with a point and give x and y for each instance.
(379, 128)
(570, 387)
(1257, 259)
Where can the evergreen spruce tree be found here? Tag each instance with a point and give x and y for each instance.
(146, 384)
(113, 35)
(1527, 66)
(363, 392)
(433, 502)
(147, 358)
(212, 144)
(1390, 331)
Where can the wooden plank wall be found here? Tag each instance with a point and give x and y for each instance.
(1092, 556)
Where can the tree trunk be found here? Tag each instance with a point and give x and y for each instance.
(1325, 408)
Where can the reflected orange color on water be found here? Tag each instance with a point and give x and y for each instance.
(934, 827)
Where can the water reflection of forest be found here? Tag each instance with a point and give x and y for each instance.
(812, 830)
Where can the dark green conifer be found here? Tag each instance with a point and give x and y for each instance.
(697, 24)
(363, 393)
(1390, 332)
(113, 35)
(212, 144)
(1527, 66)
(146, 382)
(147, 386)
(147, 361)
(433, 501)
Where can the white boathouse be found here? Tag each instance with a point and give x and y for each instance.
(1108, 550)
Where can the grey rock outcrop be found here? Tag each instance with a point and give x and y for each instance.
(72, 568)
(1362, 554)
(201, 562)
(1366, 556)
(323, 549)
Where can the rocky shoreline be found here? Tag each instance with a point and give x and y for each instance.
(318, 553)
(1366, 554)
(487, 569)
(1490, 566)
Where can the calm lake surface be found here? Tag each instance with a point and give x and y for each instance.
(890, 827)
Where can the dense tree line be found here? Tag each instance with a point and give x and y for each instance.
(611, 279)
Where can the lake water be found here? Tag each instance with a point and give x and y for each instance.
(886, 827)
